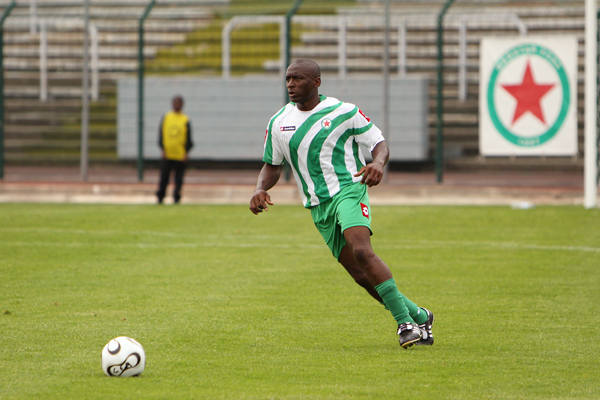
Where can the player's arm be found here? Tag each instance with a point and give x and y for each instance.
(372, 173)
(188, 141)
(268, 177)
(160, 137)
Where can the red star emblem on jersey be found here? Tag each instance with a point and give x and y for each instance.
(327, 123)
(528, 95)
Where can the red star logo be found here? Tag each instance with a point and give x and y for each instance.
(327, 123)
(528, 95)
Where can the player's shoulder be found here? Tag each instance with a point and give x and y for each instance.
(282, 111)
(344, 104)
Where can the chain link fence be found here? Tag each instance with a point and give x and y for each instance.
(43, 63)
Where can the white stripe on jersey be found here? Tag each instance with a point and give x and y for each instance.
(288, 123)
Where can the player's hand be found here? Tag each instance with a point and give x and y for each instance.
(372, 174)
(260, 201)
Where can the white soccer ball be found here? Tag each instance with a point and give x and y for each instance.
(123, 356)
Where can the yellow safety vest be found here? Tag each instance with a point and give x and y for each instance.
(175, 135)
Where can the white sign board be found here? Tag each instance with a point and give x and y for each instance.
(528, 96)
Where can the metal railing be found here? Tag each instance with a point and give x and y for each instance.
(400, 24)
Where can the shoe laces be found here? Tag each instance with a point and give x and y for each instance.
(406, 326)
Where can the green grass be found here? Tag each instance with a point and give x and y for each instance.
(229, 305)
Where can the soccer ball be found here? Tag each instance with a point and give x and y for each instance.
(123, 356)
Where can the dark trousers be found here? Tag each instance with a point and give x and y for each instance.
(166, 166)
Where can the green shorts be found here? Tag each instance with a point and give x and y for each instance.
(350, 207)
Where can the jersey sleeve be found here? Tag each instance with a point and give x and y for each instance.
(367, 134)
(273, 149)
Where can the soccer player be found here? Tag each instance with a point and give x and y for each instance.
(319, 137)
(175, 141)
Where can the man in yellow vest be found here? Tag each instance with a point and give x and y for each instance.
(175, 140)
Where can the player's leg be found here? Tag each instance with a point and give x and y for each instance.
(179, 172)
(360, 277)
(358, 239)
(353, 213)
(348, 261)
(350, 209)
(380, 276)
(324, 218)
(165, 171)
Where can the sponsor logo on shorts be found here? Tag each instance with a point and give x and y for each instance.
(365, 210)
(288, 128)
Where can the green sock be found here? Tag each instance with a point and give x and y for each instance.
(394, 300)
(421, 317)
(418, 315)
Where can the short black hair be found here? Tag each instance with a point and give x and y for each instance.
(311, 67)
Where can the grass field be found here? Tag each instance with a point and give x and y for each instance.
(229, 305)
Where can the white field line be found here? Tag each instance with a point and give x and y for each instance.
(498, 245)
(259, 241)
(161, 245)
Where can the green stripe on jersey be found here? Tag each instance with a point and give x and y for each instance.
(296, 140)
(314, 162)
(344, 176)
(268, 152)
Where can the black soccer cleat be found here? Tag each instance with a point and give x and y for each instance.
(426, 334)
(408, 334)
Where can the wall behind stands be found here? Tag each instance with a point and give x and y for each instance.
(229, 116)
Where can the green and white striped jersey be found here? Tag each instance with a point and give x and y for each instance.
(321, 145)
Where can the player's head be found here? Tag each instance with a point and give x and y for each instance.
(303, 79)
(311, 67)
(177, 102)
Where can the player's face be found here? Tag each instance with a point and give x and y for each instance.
(301, 86)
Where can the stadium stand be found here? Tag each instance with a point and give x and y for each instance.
(38, 131)
(365, 55)
(49, 131)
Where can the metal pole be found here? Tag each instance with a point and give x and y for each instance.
(43, 60)
(284, 24)
(342, 46)
(386, 78)
(287, 171)
(462, 60)
(140, 158)
(439, 148)
(288, 40)
(402, 48)
(590, 183)
(7, 11)
(95, 67)
(32, 17)
(226, 47)
(85, 95)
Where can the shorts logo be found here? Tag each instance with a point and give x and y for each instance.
(288, 128)
(326, 123)
(365, 210)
